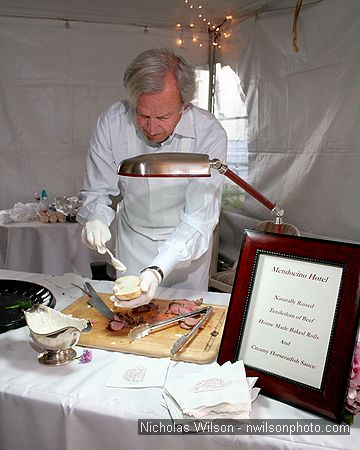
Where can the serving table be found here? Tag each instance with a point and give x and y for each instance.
(49, 248)
(70, 407)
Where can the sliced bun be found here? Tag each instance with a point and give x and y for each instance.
(127, 287)
(129, 293)
(127, 280)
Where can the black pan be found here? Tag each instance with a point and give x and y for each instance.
(17, 296)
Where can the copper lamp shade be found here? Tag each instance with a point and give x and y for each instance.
(166, 165)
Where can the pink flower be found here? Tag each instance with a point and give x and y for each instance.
(352, 403)
(355, 379)
(86, 356)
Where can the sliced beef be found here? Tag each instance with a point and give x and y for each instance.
(151, 313)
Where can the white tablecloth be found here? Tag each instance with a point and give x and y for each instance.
(70, 408)
(49, 248)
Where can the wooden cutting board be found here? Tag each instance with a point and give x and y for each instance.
(202, 349)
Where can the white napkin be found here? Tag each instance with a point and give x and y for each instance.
(221, 392)
(131, 371)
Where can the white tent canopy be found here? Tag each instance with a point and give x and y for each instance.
(154, 14)
(56, 76)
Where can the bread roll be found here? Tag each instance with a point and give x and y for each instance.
(127, 287)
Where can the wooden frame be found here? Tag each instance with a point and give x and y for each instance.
(293, 318)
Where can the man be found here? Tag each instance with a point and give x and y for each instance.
(163, 225)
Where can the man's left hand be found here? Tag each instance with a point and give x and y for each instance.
(149, 281)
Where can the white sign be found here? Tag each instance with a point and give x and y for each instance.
(290, 318)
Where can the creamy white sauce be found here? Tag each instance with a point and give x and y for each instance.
(45, 320)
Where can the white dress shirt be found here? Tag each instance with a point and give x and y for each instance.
(163, 222)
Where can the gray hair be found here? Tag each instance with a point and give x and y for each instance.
(147, 72)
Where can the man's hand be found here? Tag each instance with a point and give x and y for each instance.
(95, 235)
(149, 281)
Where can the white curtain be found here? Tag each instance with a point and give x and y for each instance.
(304, 116)
(54, 83)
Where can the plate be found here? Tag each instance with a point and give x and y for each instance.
(15, 297)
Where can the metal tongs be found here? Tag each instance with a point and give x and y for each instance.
(143, 330)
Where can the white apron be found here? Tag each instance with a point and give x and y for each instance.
(137, 246)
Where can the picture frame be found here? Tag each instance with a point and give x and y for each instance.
(293, 318)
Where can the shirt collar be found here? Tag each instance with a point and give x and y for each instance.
(185, 127)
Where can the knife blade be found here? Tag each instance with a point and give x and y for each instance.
(96, 301)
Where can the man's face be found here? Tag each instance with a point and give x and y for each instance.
(158, 114)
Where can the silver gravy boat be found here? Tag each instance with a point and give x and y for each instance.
(55, 334)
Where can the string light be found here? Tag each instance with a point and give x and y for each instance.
(199, 22)
(215, 32)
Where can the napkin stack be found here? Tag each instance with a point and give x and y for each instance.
(223, 392)
(132, 371)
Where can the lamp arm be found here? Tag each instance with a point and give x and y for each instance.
(276, 211)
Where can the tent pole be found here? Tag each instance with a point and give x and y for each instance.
(212, 72)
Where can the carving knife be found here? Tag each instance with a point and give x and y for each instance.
(96, 301)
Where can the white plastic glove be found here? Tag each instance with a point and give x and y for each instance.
(149, 281)
(95, 234)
